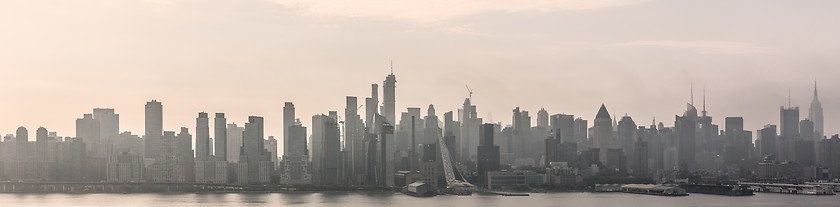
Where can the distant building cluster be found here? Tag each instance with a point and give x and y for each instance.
(376, 149)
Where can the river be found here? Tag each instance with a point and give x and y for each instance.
(375, 199)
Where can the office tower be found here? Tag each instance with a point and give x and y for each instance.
(581, 129)
(87, 129)
(815, 114)
(451, 132)
(767, 137)
(739, 141)
(627, 134)
(255, 165)
(640, 156)
(130, 143)
(431, 129)
(326, 150)
(432, 133)
(317, 147)
(234, 142)
(295, 146)
(521, 134)
(564, 125)
(805, 149)
(270, 145)
(470, 123)
(487, 153)
(789, 122)
(807, 130)
(288, 121)
(109, 124)
(202, 137)
(154, 128)
(370, 107)
(295, 167)
(602, 133)
(686, 131)
(389, 98)
(354, 135)
(542, 118)
(789, 133)
(220, 132)
(830, 154)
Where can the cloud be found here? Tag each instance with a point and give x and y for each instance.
(703, 47)
(439, 10)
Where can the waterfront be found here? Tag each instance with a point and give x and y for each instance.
(374, 199)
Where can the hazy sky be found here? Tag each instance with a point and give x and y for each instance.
(60, 59)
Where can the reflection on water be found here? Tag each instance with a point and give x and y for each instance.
(375, 199)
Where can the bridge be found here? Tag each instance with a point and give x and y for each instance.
(453, 184)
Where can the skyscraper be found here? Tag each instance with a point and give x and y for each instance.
(109, 124)
(234, 142)
(815, 114)
(154, 128)
(255, 165)
(326, 150)
(627, 135)
(288, 120)
(789, 133)
(202, 137)
(542, 118)
(220, 132)
(487, 153)
(602, 133)
(686, 128)
(389, 98)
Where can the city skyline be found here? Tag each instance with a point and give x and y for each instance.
(272, 128)
(249, 57)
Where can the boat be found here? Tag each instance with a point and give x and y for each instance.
(728, 190)
(649, 189)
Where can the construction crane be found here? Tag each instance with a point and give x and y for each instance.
(469, 90)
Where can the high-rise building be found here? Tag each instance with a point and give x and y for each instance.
(220, 132)
(563, 125)
(389, 98)
(686, 131)
(354, 135)
(154, 128)
(288, 121)
(109, 124)
(202, 137)
(767, 136)
(542, 118)
(815, 114)
(627, 134)
(295, 167)
(789, 122)
(487, 153)
(255, 165)
(326, 150)
(234, 142)
(581, 129)
(602, 133)
(271, 146)
(371, 104)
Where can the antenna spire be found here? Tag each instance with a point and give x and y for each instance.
(704, 100)
(692, 93)
(392, 67)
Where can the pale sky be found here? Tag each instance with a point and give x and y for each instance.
(60, 59)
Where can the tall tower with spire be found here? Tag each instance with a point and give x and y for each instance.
(389, 97)
(815, 114)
